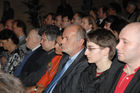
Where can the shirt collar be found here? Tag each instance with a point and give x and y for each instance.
(36, 47)
(88, 30)
(51, 51)
(22, 37)
(136, 69)
(75, 56)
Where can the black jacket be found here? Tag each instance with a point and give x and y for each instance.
(34, 68)
(88, 82)
(69, 81)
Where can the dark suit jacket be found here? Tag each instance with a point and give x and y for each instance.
(34, 68)
(114, 76)
(69, 80)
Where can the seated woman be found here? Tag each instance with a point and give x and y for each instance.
(100, 51)
(9, 41)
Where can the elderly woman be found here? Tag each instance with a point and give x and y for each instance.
(9, 42)
(100, 51)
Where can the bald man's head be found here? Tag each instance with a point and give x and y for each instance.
(133, 29)
(129, 44)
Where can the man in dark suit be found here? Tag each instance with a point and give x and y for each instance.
(31, 64)
(125, 78)
(37, 63)
(72, 44)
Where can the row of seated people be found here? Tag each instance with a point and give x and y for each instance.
(94, 69)
(42, 68)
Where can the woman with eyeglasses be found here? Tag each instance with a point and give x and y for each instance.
(100, 50)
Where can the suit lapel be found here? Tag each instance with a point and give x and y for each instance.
(116, 79)
(76, 61)
(63, 61)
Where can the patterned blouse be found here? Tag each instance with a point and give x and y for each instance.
(13, 60)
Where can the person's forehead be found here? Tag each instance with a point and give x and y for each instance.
(59, 16)
(70, 30)
(75, 16)
(89, 43)
(65, 18)
(129, 34)
(30, 34)
(49, 17)
(84, 18)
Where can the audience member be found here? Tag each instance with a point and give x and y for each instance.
(77, 18)
(124, 78)
(15, 55)
(66, 21)
(9, 24)
(51, 69)
(49, 19)
(58, 21)
(93, 13)
(33, 43)
(100, 51)
(36, 64)
(102, 14)
(114, 9)
(109, 20)
(19, 28)
(66, 78)
(88, 23)
(132, 11)
(117, 26)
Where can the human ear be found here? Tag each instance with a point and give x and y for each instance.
(106, 51)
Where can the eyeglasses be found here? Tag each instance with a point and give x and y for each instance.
(91, 49)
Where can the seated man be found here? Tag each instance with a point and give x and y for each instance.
(69, 69)
(32, 59)
(51, 69)
(37, 63)
(125, 78)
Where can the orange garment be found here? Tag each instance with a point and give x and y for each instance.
(50, 72)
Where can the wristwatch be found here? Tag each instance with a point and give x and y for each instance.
(35, 89)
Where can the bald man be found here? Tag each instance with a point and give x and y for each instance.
(126, 77)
